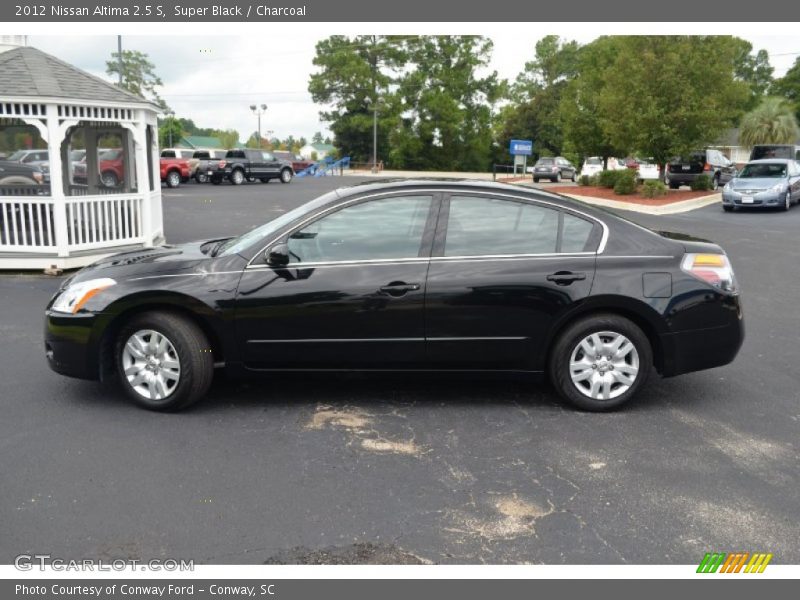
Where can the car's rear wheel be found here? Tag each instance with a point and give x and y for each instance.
(535, 180)
(600, 362)
(109, 179)
(787, 201)
(727, 208)
(674, 186)
(173, 179)
(558, 177)
(164, 361)
(286, 175)
(237, 177)
(715, 183)
(201, 177)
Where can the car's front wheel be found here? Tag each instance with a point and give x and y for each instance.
(201, 177)
(286, 175)
(237, 177)
(173, 179)
(600, 362)
(164, 361)
(787, 201)
(558, 177)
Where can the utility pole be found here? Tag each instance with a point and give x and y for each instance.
(374, 104)
(119, 57)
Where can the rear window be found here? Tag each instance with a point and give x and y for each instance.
(775, 151)
(201, 154)
(594, 161)
(546, 161)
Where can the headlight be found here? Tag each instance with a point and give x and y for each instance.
(779, 187)
(72, 299)
(728, 187)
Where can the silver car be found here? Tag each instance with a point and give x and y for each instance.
(769, 182)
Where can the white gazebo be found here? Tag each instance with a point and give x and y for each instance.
(104, 189)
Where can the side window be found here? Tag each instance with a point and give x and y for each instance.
(488, 226)
(267, 156)
(575, 234)
(168, 154)
(377, 229)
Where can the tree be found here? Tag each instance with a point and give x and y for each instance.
(753, 69)
(772, 122)
(170, 132)
(353, 73)
(448, 101)
(138, 75)
(555, 60)
(317, 138)
(788, 86)
(662, 96)
(229, 138)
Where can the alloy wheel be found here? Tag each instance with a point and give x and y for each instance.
(604, 365)
(151, 364)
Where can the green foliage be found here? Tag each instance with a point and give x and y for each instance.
(590, 180)
(702, 182)
(625, 182)
(138, 75)
(788, 87)
(607, 179)
(752, 69)
(772, 122)
(170, 132)
(652, 188)
(229, 138)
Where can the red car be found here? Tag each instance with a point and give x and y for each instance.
(175, 171)
(298, 162)
(111, 166)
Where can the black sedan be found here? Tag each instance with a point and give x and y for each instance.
(425, 275)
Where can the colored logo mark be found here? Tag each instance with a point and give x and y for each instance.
(734, 562)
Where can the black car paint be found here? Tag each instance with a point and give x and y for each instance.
(253, 164)
(479, 314)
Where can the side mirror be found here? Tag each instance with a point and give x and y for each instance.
(277, 256)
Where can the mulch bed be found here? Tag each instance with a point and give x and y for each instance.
(608, 194)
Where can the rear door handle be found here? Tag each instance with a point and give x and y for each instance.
(398, 288)
(565, 277)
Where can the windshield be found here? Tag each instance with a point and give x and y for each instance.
(17, 155)
(760, 170)
(594, 161)
(237, 244)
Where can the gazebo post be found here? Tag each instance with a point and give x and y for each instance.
(55, 135)
(142, 178)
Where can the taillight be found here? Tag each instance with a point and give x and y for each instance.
(706, 167)
(222, 164)
(714, 269)
(38, 177)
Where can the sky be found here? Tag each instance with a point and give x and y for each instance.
(213, 79)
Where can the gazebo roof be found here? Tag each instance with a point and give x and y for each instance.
(27, 71)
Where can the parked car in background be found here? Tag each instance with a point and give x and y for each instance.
(591, 166)
(249, 164)
(186, 154)
(15, 173)
(684, 170)
(554, 168)
(768, 182)
(110, 163)
(298, 162)
(789, 151)
(204, 158)
(34, 158)
(175, 171)
(647, 168)
(513, 278)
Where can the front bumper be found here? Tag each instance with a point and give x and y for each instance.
(71, 344)
(763, 198)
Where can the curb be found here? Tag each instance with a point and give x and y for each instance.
(664, 209)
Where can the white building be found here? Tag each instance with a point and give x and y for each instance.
(317, 151)
(104, 194)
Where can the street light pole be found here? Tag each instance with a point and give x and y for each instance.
(171, 115)
(258, 111)
(375, 103)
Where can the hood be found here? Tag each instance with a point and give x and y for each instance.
(756, 183)
(147, 261)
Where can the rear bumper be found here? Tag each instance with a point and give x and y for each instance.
(685, 178)
(699, 349)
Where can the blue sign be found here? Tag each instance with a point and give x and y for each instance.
(521, 147)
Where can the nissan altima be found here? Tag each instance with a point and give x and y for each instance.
(420, 275)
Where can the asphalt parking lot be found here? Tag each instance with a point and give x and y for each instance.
(410, 469)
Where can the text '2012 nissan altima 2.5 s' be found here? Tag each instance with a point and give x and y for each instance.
(420, 275)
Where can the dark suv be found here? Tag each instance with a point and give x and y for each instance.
(249, 164)
(684, 170)
(789, 151)
(554, 168)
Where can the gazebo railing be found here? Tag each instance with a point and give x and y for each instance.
(28, 223)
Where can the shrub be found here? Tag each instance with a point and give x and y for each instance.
(585, 180)
(608, 179)
(703, 182)
(653, 188)
(626, 182)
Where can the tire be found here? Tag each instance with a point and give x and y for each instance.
(265, 180)
(787, 201)
(237, 177)
(286, 175)
(727, 208)
(215, 181)
(570, 346)
(173, 179)
(17, 180)
(109, 179)
(201, 177)
(674, 186)
(535, 180)
(574, 177)
(558, 178)
(186, 348)
(715, 183)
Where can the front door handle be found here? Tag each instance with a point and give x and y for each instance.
(565, 277)
(398, 288)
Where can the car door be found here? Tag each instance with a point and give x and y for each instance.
(272, 166)
(255, 164)
(352, 295)
(794, 180)
(503, 270)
